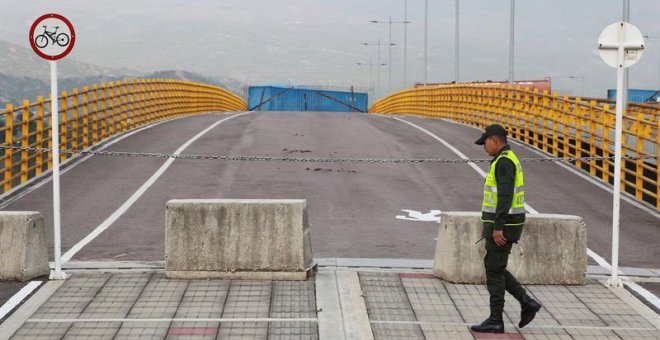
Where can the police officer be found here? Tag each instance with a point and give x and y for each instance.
(502, 216)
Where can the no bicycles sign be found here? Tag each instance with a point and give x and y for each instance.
(52, 36)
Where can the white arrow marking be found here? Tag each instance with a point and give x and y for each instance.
(413, 215)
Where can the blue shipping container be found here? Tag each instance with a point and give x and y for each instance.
(276, 98)
(637, 96)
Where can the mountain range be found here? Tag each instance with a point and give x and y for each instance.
(24, 75)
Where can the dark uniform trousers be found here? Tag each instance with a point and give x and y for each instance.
(498, 279)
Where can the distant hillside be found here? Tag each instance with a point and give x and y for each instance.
(23, 75)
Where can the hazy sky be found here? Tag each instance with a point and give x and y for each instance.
(320, 41)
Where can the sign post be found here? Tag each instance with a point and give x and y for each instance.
(620, 45)
(52, 37)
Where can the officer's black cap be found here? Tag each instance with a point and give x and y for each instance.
(491, 130)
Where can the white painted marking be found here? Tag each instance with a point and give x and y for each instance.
(178, 320)
(124, 207)
(354, 310)
(599, 259)
(18, 298)
(650, 297)
(413, 215)
(460, 154)
(528, 326)
(327, 301)
(46, 177)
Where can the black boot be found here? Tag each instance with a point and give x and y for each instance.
(494, 324)
(528, 309)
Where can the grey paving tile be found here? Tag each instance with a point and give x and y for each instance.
(146, 330)
(69, 301)
(45, 331)
(385, 297)
(295, 330)
(159, 299)
(397, 331)
(449, 332)
(592, 333)
(430, 300)
(248, 299)
(92, 330)
(638, 334)
(293, 299)
(243, 330)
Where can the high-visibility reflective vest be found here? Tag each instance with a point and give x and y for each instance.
(489, 205)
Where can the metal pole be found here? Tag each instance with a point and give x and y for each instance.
(378, 70)
(511, 38)
(456, 79)
(389, 60)
(614, 281)
(426, 41)
(621, 105)
(405, 45)
(57, 274)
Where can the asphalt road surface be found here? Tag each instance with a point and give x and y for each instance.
(352, 207)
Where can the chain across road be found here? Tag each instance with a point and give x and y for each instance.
(314, 160)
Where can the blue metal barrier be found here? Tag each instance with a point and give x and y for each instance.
(277, 98)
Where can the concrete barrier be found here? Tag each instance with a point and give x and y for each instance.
(235, 238)
(552, 250)
(23, 252)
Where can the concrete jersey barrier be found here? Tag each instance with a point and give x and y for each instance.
(237, 238)
(552, 250)
(23, 252)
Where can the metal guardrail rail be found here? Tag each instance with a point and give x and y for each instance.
(90, 116)
(561, 126)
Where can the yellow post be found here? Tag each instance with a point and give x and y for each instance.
(131, 105)
(75, 120)
(25, 134)
(64, 118)
(104, 112)
(639, 163)
(40, 136)
(606, 120)
(95, 114)
(9, 141)
(592, 136)
(85, 110)
(112, 112)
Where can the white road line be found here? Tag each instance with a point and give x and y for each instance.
(599, 259)
(460, 154)
(124, 207)
(177, 320)
(18, 298)
(46, 176)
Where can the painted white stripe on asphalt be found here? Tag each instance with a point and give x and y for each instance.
(18, 298)
(460, 154)
(177, 320)
(124, 207)
(46, 176)
(599, 259)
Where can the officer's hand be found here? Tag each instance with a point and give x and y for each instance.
(498, 237)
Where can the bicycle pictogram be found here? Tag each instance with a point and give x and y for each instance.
(46, 38)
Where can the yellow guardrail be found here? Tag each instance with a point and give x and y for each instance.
(90, 116)
(561, 126)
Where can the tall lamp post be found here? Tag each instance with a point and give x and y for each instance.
(511, 44)
(581, 77)
(457, 45)
(656, 37)
(378, 44)
(371, 73)
(389, 60)
(426, 42)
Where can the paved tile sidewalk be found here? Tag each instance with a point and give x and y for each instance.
(146, 305)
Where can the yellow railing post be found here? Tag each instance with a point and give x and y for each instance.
(40, 136)
(9, 141)
(25, 134)
(64, 126)
(85, 129)
(74, 119)
(104, 112)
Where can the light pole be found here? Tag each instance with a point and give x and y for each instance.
(581, 77)
(457, 45)
(656, 37)
(389, 60)
(511, 37)
(371, 73)
(378, 44)
(405, 44)
(426, 42)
